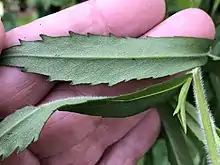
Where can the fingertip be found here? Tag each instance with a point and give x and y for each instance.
(190, 22)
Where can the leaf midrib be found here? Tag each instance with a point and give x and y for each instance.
(195, 55)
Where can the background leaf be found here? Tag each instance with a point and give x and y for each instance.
(158, 154)
(174, 135)
(183, 4)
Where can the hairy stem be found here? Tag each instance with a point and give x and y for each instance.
(206, 120)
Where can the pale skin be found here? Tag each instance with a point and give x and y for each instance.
(73, 139)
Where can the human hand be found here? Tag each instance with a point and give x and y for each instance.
(77, 139)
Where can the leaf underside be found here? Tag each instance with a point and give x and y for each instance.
(94, 59)
(19, 129)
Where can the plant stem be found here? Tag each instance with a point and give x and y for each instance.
(206, 120)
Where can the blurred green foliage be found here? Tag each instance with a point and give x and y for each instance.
(20, 12)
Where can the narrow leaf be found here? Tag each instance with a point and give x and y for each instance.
(194, 150)
(193, 122)
(160, 153)
(181, 103)
(19, 129)
(93, 59)
(194, 133)
(157, 155)
(215, 7)
(133, 103)
(215, 82)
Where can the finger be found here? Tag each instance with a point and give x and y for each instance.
(19, 89)
(23, 158)
(129, 149)
(89, 149)
(140, 138)
(100, 17)
(187, 25)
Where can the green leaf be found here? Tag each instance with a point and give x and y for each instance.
(215, 104)
(196, 151)
(19, 129)
(183, 4)
(181, 103)
(93, 59)
(193, 122)
(63, 3)
(157, 155)
(22, 127)
(215, 7)
(215, 47)
(205, 5)
(206, 120)
(9, 21)
(29, 17)
(133, 103)
(160, 153)
(174, 6)
(175, 140)
(194, 137)
(146, 159)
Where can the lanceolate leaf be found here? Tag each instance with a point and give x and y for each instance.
(18, 130)
(130, 104)
(157, 155)
(94, 59)
(193, 122)
(193, 138)
(182, 102)
(192, 119)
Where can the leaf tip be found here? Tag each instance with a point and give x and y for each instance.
(175, 112)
